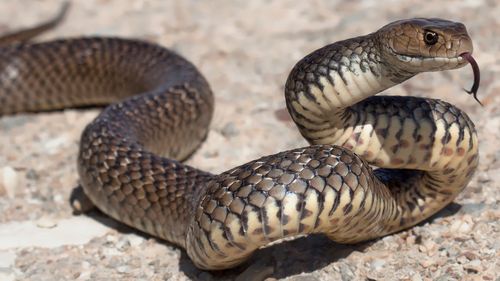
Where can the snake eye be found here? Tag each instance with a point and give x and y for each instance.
(430, 37)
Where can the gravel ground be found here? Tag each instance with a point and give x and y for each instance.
(245, 49)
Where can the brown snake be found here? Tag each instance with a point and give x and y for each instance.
(161, 105)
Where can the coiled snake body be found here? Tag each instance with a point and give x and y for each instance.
(160, 111)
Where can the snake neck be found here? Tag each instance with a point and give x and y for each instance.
(323, 87)
(329, 95)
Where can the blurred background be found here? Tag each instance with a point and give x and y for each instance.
(246, 50)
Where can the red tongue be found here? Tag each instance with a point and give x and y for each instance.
(475, 68)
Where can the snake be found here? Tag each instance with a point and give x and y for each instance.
(375, 165)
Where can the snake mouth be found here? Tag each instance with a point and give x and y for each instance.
(407, 58)
(419, 59)
(477, 75)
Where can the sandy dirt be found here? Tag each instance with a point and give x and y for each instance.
(246, 50)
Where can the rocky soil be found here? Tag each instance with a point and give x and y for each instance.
(245, 49)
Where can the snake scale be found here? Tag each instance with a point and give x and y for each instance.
(160, 110)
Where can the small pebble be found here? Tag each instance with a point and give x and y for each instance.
(452, 252)
(14, 121)
(426, 262)
(123, 245)
(346, 273)
(230, 130)
(473, 208)
(483, 177)
(460, 226)
(122, 269)
(58, 198)
(470, 255)
(111, 238)
(428, 246)
(211, 154)
(55, 144)
(416, 277)
(85, 265)
(31, 174)
(135, 240)
(488, 277)
(9, 181)
(473, 266)
(46, 222)
(377, 264)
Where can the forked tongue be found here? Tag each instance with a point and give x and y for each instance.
(475, 68)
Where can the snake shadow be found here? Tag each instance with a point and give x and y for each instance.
(302, 255)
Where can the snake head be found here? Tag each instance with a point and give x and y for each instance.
(425, 44)
(418, 45)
